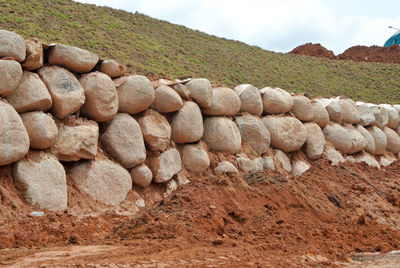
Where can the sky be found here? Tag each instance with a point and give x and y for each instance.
(277, 25)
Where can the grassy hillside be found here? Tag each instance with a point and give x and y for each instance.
(150, 46)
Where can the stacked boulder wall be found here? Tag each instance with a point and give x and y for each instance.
(393, 140)
(315, 143)
(195, 158)
(155, 129)
(254, 132)
(123, 139)
(187, 124)
(42, 180)
(222, 135)
(101, 103)
(103, 180)
(135, 95)
(34, 55)
(10, 75)
(350, 113)
(166, 100)
(200, 91)
(14, 139)
(224, 101)
(250, 99)
(276, 100)
(302, 108)
(379, 140)
(339, 137)
(287, 133)
(165, 165)
(12, 46)
(320, 114)
(66, 92)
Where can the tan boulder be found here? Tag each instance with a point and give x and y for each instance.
(65, 90)
(287, 133)
(367, 117)
(302, 108)
(73, 58)
(42, 180)
(222, 135)
(370, 145)
(253, 131)
(367, 159)
(224, 101)
(30, 95)
(123, 139)
(268, 163)
(10, 75)
(320, 114)
(165, 166)
(200, 91)
(141, 175)
(283, 160)
(225, 167)
(315, 143)
(333, 156)
(393, 118)
(101, 96)
(166, 100)
(250, 99)
(12, 46)
(14, 139)
(350, 113)
(335, 112)
(41, 128)
(339, 137)
(182, 90)
(34, 55)
(299, 167)
(187, 124)
(393, 140)
(195, 158)
(135, 95)
(258, 164)
(112, 68)
(357, 139)
(276, 100)
(379, 139)
(155, 129)
(245, 164)
(381, 116)
(76, 142)
(103, 180)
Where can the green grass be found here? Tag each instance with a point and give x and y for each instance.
(149, 46)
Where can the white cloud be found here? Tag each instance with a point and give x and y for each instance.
(278, 25)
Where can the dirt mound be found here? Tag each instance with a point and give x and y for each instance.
(314, 50)
(262, 219)
(372, 54)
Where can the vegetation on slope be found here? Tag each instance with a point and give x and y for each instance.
(149, 46)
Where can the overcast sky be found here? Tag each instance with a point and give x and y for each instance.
(278, 25)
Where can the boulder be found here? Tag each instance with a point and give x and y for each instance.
(357, 139)
(299, 167)
(165, 166)
(379, 139)
(14, 139)
(42, 180)
(135, 95)
(386, 160)
(155, 129)
(315, 143)
(225, 167)
(320, 114)
(370, 145)
(222, 135)
(195, 159)
(141, 175)
(200, 91)
(245, 164)
(103, 180)
(182, 90)
(187, 124)
(258, 164)
(30, 95)
(73, 58)
(284, 160)
(276, 100)
(268, 163)
(381, 116)
(112, 68)
(34, 55)
(66, 92)
(250, 99)
(101, 102)
(335, 112)
(339, 137)
(166, 100)
(224, 101)
(41, 128)
(367, 117)
(302, 108)
(333, 156)
(367, 159)
(393, 118)
(10, 75)
(12, 46)
(123, 139)
(350, 113)
(287, 133)
(393, 140)
(254, 132)
(76, 142)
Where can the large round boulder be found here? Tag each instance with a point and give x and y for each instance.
(335, 112)
(141, 175)
(253, 131)
(195, 158)
(315, 143)
(10, 75)
(166, 100)
(165, 165)
(155, 129)
(112, 68)
(276, 100)
(224, 101)
(393, 118)
(250, 99)
(367, 117)
(320, 114)
(370, 145)
(187, 124)
(357, 139)
(12, 46)
(393, 140)
(34, 55)
(379, 139)
(135, 95)
(200, 91)
(339, 137)
(381, 116)
(222, 135)
(350, 113)
(287, 133)
(302, 108)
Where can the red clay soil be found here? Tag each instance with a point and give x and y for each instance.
(356, 53)
(318, 219)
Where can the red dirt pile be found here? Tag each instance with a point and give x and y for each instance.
(314, 50)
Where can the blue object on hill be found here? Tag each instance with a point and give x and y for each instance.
(394, 40)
